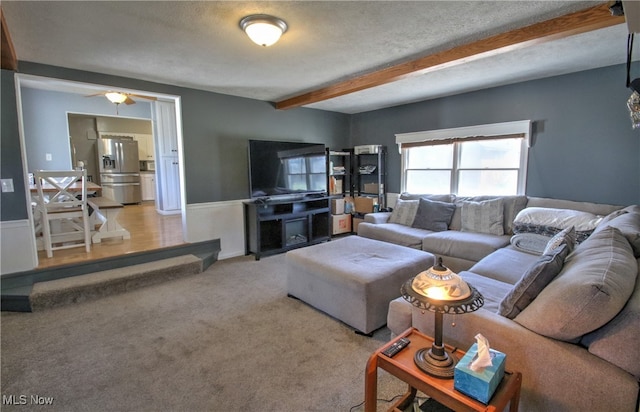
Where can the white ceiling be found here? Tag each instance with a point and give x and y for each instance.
(200, 45)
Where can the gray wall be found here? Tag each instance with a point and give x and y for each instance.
(584, 147)
(216, 129)
(13, 206)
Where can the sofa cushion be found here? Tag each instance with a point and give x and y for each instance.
(493, 291)
(506, 264)
(483, 217)
(629, 225)
(533, 281)
(551, 221)
(565, 237)
(614, 341)
(467, 245)
(433, 215)
(594, 285)
(404, 212)
(394, 233)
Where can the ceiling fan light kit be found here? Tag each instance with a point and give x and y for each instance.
(262, 29)
(116, 97)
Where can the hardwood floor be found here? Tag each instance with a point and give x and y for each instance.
(149, 230)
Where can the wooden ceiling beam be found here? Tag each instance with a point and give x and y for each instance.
(594, 18)
(8, 59)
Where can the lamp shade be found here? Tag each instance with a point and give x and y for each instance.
(438, 289)
(263, 29)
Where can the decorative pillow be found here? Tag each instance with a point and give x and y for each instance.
(404, 212)
(550, 221)
(565, 237)
(433, 215)
(533, 281)
(483, 217)
(594, 285)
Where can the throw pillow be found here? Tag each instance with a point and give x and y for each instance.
(533, 281)
(483, 217)
(433, 215)
(594, 285)
(550, 221)
(404, 212)
(565, 237)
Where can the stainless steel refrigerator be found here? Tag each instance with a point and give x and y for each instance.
(119, 169)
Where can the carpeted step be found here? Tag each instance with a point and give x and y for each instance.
(76, 289)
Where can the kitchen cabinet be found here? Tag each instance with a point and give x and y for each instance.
(145, 146)
(171, 184)
(148, 182)
(168, 163)
(166, 125)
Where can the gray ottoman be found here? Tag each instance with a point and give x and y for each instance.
(354, 278)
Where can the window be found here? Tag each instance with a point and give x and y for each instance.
(466, 161)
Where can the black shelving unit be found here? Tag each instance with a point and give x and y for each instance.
(340, 183)
(340, 168)
(370, 170)
(276, 226)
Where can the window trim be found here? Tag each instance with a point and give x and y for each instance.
(485, 131)
(506, 130)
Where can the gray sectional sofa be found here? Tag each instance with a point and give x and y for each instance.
(562, 295)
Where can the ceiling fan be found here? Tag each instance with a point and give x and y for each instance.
(120, 97)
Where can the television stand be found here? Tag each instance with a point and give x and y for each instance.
(278, 225)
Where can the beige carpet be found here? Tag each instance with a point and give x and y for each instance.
(228, 339)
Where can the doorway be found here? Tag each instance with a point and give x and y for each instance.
(71, 99)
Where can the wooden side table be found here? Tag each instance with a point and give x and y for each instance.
(403, 367)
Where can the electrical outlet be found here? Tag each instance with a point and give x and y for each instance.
(48, 157)
(7, 185)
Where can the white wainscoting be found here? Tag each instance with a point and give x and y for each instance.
(218, 220)
(18, 247)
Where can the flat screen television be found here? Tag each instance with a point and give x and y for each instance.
(286, 168)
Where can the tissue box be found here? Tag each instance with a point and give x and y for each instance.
(479, 385)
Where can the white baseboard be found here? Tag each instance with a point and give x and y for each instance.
(18, 247)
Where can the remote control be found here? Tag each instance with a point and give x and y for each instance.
(392, 350)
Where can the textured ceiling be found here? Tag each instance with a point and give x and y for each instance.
(200, 45)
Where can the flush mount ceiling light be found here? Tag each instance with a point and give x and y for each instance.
(262, 29)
